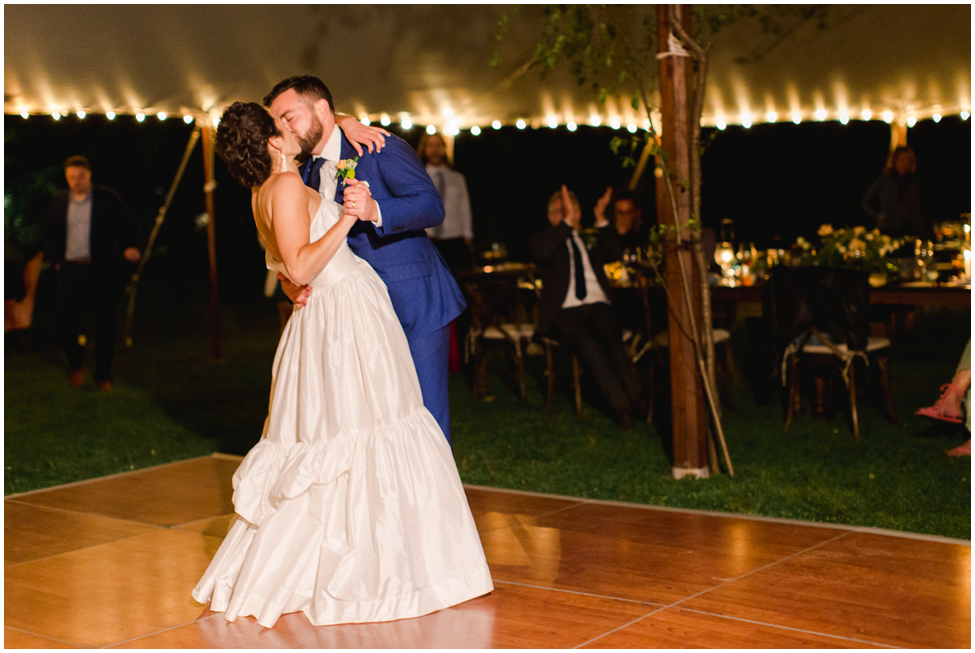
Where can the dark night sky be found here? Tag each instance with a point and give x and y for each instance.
(771, 179)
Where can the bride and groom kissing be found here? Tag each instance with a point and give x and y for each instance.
(350, 508)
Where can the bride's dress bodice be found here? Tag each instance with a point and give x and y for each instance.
(341, 263)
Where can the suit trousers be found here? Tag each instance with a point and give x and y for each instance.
(84, 292)
(430, 354)
(592, 332)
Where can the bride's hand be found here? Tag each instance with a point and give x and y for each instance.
(359, 135)
(297, 294)
(358, 201)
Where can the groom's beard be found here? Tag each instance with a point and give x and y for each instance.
(309, 141)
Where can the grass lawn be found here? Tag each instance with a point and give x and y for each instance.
(172, 402)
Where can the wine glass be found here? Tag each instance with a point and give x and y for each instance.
(924, 253)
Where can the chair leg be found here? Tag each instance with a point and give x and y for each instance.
(853, 401)
(520, 361)
(883, 365)
(576, 380)
(650, 366)
(793, 399)
(550, 374)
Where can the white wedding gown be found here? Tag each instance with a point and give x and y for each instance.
(350, 508)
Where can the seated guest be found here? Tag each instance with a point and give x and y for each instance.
(574, 304)
(627, 216)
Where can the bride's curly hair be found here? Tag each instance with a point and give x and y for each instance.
(242, 142)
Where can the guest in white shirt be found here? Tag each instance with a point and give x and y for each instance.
(454, 236)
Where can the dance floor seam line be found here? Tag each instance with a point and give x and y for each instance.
(618, 628)
(53, 639)
(596, 596)
(87, 513)
(791, 628)
(132, 639)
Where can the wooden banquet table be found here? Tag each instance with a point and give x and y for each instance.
(909, 294)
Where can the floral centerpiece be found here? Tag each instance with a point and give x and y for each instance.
(850, 247)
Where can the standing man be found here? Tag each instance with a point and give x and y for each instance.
(453, 238)
(394, 206)
(90, 232)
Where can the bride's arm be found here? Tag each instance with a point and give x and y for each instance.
(291, 222)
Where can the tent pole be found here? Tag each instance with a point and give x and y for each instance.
(134, 282)
(208, 187)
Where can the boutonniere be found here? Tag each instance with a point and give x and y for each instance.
(346, 169)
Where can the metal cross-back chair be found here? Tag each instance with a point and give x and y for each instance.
(820, 316)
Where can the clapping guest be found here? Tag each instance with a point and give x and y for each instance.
(627, 217)
(454, 236)
(574, 306)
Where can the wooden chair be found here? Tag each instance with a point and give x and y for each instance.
(551, 346)
(822, 322)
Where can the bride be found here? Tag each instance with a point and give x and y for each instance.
(350, 508)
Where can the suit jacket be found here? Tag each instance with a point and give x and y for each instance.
(551, 256)
(424, 293)
(113, 229)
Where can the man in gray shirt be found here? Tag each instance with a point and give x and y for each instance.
(90, 235)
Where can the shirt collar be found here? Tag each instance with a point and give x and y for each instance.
(333, 148)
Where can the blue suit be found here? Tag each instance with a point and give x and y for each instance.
(424, 293)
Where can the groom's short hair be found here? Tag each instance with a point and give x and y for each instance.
(307, 86)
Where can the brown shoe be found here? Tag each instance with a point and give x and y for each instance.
(105, 386)
(77, 378)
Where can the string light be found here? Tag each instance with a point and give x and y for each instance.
(594, 120)
(771, 116)
(216, 122)
(110, 115)
(746, 120)
(431, 129)
(406, 123)
(553, 122)
(614, 123)
(56, 115)
(140, 117)
(866, 114)
(24, 114)
(820, 114)
(936, 117)
(964, 115)
(365, 121)
(496, 124)
(187, 119)
(888, 117)
(844, 117)
(631, 128)
(720, 124)
(384, 120)
(475, 130)
(451, 129)
(81, 114)
(161, 115)
(796, 117)
(520, 124)
(911, 121)
(571, 126)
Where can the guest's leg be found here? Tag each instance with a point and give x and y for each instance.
(575, 328)
(610, 335)
(963, 381)
(72, 297)
(105, 303)
(430, 359)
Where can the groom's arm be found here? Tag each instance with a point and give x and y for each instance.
(415, 203)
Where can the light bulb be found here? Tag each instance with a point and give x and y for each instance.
(161, 115)
(866, 114)
(406, 123)
(614, 123)
(911, 121)
(720, 124)
(24, 114)
(888, 117)
(82, 114)
(796, 117)
(553, 122)
(365, 121)
(771, 116)
(631, 128)
(520, 124)
(844, 117)
(496, 124)
(820, 114)
(384, 120)
(56, 115)
(571, 126)
(140, 117)
(475, 130)
(936, 117)
(187, 119)
(431, 129)
(595, 121)
(964, 115)
(110, 115)
(746, 120)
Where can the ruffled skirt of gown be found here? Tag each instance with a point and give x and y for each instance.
(350, 508)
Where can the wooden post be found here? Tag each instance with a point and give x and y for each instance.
(208, 188)
(686, 388)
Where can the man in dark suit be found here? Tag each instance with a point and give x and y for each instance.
(574, 304)
(90, 233)
(395, 200)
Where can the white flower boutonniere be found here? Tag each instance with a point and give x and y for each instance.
(346, 170)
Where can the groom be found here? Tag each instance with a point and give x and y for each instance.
(399, 202)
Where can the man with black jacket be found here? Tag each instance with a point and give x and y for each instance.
(574, 306)
(90, 233)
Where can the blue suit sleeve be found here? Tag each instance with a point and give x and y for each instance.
(415, 203)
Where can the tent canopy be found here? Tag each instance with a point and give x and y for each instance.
(430, 63)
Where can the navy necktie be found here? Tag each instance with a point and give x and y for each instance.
(313, 173)
(580, 272)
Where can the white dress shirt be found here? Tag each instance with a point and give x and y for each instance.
(332, 153)
(452, 186)
(594, 292)
(78, 241)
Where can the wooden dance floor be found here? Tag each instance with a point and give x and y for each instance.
(111, 562)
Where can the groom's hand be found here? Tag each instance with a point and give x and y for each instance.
(297, 294)
(359, 202)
